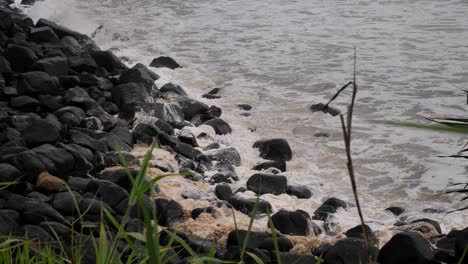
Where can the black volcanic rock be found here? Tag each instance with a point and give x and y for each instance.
(55, 66)
(274, 149)
(164, 62)
(21, 58)
(261, 183)
(352, 251)
(38, 82)
(43, 34)
(40, 131)
(108, 60)
(220, 126)
(328, 208)
(406, 247)
(291, 223)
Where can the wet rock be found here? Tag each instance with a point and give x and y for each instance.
(9, 173)
(95, 207)
(36, 233)
(37, 196)
(284, 244)
(42, 34)
(224, 176)
(199, 119)
(169, 212)
(230, 155)
(223, 192)
(8, 223)
(40, 131)
(49, 183)
(431, 222)
(358, 232)
(245, 107)
(50, 102)
(120, 177)
(56, 160)
(36, 212)
(61, 31)
(173, 88)
(406, 247)
(274, 149)
(55, 66)
(300, 191)
(67, 202)
(461, 242)
(114, 143)
(109, 192)
(57, 230)
(233, 254)
(327, 208)
(211, 96)
(24, 103)
(395, 210)
(86, 141)
(130, 93)
(108, 60)
(280, 165)
(255, 239)
(198, 211)
(291, 223)
(139, 74)
(187, 150)
(223, 166)
(220, 126)
(144, 133)
(92, 123)
(352, 251)
(195, 194)
(27, 162)
(78, 184)
(37, 82)
(69, 81)
(267, 183)
(82, 63)
(21, 58)
(191, 107)
(164, 62)
(246, 206)
(70, 116)
(112, 158)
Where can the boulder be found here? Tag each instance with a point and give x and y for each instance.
(280, 165)
(274, 149)
(300, 191)
(40, 131)
(9, 173)
(109, 192)
(130, 93)
(139, 74)
(352, 251)
(87, 141)
(42, 34)
(57, 230)
(95, 207)
(220, 126)
(191, 107)
(119, 177)
(8, 223)
(35, 233)
(82, 63)
(429, 221)
(183, 136)
(21, 58)
(108, 60)
(223, 192)
(71, 116)
(164, 62)
(358, 232)
(56, 160)
(24, 103)
(62, 32)
(230, 155)
(78, 184)
(69, 81)
(173, 88)
(55, 66)
(195, 194)
(37, 82)
(327, 208)
(169, 212)
(296, 258)
(395, 210)
(261, 183)
(49, 183)
(291, 223)
(284, 244)
(38, 212)
(198, 211)
(246, 206)
(461, 242)
(144, 133)
(124, 134)
(4, 66)
(245, 107)
(224, 176)
(50, 103)
(406, 247)
(255, 238)
(67, 203)
(28, 163)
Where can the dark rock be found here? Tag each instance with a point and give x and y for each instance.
(120, 177)
(110, 108)
(92, 123)
(220, 126)
(274, 149)
(21, 58)
(8, 223)
(327, 208)
(67, 203)
(431, 222)
(255, 239)
(71, 116)
(234, 254)
(187, 137)
(352, 251)
(123, 134)
(57, 230)
(113, 159)
(300, 191)
(230, 155)
(37, 212)
(62, 31)
(95, 207)
(78, 184)
(198, 211)
(224, 176)
(24, 103)
(280, 165)
(38, 83)
(284, 244)
(191, 107)
(9, 173)
(295, 258)
(358, 232)
(139, 74)
(395, 210)
(144, 133)
(69, 81)
(82, 63)
(187, 150)
(291, 223)
(27, 162)
(55, 66)
(109, 192)
(4, 66)
(461, 242)
(199, 119)
(37, 196)
(36, 233)
(114, 143)
(43, 34)
(169, 212)
(223, 166)
(445, 256)
(130, 93)
(406, 247)
(40, 131)
(50, 102)
(108, 60)
(211, 96)
(173, 88)
(245, 107)
(267, 183)
(86, 141)
(246, 206)
(164, 62)
(224, 192)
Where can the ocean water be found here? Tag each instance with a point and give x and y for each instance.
(283, 56)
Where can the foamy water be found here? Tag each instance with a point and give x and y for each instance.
(281, 57)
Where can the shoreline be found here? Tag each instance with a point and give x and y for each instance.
(85, 132)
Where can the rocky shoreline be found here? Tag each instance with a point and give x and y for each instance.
(65, 106)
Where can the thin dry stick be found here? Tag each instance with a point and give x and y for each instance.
(347, 139)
